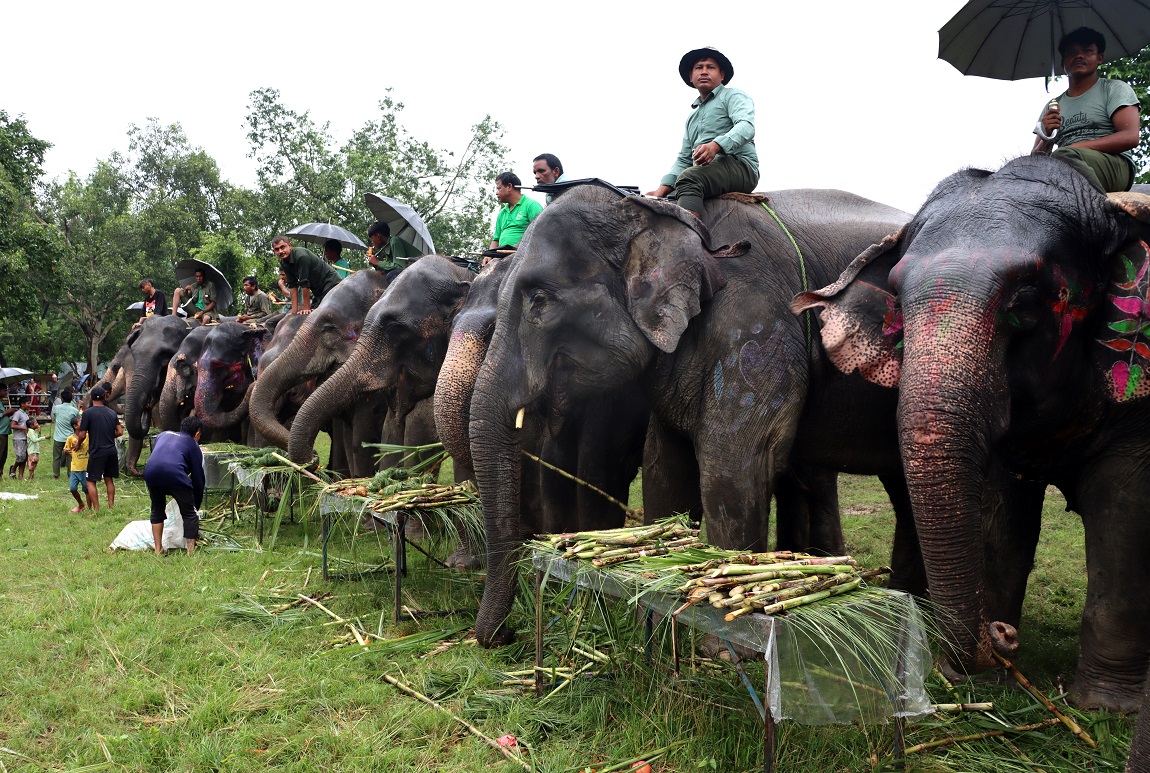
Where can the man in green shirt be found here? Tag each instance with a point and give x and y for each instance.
(62, 428)
(198, 299)
(388, 253)
(516, 213)
(333, 254)
(309, 279)
(255, 306)
(1096, 118)
(718, 153)
(6, 412)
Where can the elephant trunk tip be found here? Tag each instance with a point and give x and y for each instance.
(1004, 638)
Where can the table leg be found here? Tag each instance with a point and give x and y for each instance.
(538, 632)
(325, 533)
(768, 724)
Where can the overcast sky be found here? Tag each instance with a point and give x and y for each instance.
(848, 94)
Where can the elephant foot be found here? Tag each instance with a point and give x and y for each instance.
(715, 648)
(500, 637)
(953, 674)
(414, 528)
(463, 557)
(1106, 695)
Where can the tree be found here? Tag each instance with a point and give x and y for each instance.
(136, 215)
(1135, 70)
(28, 244)
(305, 177)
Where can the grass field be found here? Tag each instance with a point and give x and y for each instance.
(131, 661)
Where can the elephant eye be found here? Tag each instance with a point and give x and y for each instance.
(536, 300)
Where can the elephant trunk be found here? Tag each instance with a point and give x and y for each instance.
(453, 390)
(212, 380)
(274, 380)
(139, 400)
(334, 396)
(953, 404)
(495, 413)
(168, 409)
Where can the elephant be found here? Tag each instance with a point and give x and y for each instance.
(1139, 761)
(226, 370)
(396, 360)
(610, 290)
(152, 344)
(177, 399)
(1011, 315)
(599, 440)
(324, 340)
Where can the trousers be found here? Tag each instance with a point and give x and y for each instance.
(723, 175)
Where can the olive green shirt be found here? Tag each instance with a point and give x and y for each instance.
(306, 269)
(397, 253)
(256, 306)
(727, 117)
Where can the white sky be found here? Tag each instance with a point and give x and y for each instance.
(848, 94)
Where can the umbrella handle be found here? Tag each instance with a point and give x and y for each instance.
(1040, 130)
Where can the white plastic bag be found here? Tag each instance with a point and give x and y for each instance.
(137, 535)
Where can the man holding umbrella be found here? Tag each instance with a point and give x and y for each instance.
(387, 252)
(1097, 118)
(309, 278)
(199, 298)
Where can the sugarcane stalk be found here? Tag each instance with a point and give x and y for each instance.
(979, 736)
(962, 707)
(315, 603)
(1030, 688)
(408, 690)
(810, 598)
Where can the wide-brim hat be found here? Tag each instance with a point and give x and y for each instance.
(687, 63)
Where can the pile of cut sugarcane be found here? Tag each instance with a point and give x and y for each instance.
(614, 546)
(741, 583)
(771, 582)
(411, 494)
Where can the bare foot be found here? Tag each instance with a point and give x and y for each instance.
(76, 510)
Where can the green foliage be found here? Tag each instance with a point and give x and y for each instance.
(1135, 71)
(304, 177)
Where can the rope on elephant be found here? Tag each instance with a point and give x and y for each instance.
(629, 512)
(802, 271)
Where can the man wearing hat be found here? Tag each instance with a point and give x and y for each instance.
(718, 154)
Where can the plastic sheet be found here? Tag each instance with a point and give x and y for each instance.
(815, 676)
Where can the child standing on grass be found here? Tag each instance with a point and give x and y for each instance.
(77, 450)
(34, 438)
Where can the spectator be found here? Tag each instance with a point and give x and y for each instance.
(20, 421)
(176, 469)
(62, 415)
(76, 449)
(100, 426)
(6, 412)
(198, 299)
(547, 169)
(35, 391)
(308, 278)
(516, 213)
(53, 391)
(333, 254)
(388, 253)
(155, 302)
(34, 439)
(718, 152)
(255, 306)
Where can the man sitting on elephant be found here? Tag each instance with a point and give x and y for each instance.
(718, 154)
(1097, 117)
(255, 306)
(197, 299)
(388, 253)
(309, 278)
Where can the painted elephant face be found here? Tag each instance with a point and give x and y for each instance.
(225, 370)
(1012, 313)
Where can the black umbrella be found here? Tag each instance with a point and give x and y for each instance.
(1015, 39)
(186, 272)
(318, 233)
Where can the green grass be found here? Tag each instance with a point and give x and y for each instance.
(135, 658)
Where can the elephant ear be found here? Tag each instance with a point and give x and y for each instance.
(1123, 353)
(861, 318)
(669, 268)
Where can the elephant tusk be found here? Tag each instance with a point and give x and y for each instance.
(519, 418)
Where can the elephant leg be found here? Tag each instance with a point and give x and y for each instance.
(1012, 519)
(1139, 761)
(363, 428)
(908, 573)
(337, 460)
(807, 511)
(610, 447)
(670, 475)
(1112, 657)
(132, 460)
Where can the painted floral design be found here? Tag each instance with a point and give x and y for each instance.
(1131, 297)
